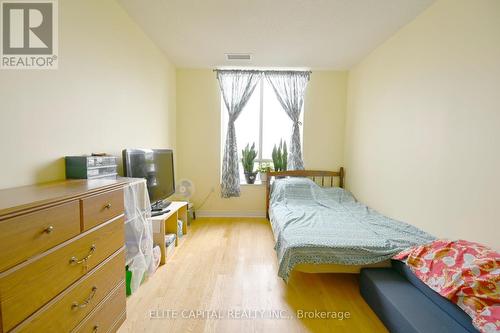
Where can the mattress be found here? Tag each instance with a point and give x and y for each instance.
(444, 304)
(401, 306)
(314, 225)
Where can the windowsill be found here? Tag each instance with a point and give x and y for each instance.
(258, 182)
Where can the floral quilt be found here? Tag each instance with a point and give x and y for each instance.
(466, 273)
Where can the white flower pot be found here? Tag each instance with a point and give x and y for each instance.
(263, 177)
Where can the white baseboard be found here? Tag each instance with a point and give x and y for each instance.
(230, 213)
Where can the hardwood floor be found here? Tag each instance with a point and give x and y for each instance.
(226, 269)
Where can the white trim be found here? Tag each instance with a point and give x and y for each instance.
(230, 213)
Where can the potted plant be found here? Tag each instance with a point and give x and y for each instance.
(280, 156)
(264, 168)
(248, 159)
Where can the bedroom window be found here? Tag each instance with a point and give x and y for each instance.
(262, 121)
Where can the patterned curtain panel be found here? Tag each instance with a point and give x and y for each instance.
(236, 86)
(290, 88)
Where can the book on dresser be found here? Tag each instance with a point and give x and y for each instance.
(62, 257)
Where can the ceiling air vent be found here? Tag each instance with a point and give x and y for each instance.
(238, 56)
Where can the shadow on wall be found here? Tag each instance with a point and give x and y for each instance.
(51, 171)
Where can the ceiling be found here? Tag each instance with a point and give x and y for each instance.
(317, 34)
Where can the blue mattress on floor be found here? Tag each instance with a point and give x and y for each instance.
(403, 307)
(451, 308)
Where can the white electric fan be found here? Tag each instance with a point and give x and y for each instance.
(184, 189)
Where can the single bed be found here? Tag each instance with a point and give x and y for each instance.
(319, 227)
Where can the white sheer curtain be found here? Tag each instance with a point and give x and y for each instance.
(290, 87)
(236, 86)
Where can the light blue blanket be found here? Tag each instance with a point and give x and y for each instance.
(319, 225)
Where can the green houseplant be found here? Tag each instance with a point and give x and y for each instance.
(248, 160)
(280, 156)
(264, 168)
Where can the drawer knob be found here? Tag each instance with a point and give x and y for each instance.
(96, 328)
(75, 260)
(49, 229)
(107, 206)
(86, 302)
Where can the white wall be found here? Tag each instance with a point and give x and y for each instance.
(114, 89)
(423, 122)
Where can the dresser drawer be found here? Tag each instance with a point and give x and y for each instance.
(64, 312)
(28, 286)
(100, 208)
(27, 235)
(108, 316)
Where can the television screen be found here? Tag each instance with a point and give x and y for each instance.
(156, 166)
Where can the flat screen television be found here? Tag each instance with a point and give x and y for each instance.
(156, 166)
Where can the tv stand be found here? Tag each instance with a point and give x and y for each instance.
(167, 224)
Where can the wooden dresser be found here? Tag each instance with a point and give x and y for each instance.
(62, 261)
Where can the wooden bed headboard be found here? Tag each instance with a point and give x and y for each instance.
(314, 174)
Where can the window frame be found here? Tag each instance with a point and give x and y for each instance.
(258, 159)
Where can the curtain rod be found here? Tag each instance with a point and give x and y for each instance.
(262, 71)
(238, 70)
